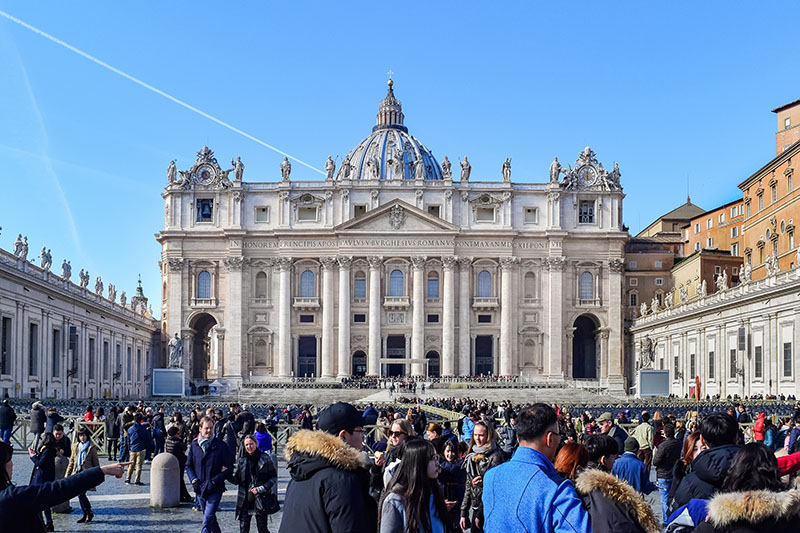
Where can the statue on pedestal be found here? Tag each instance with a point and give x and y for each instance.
(98, 285)
(646, 353)
(555, 170)
(18, 245)
(506, 169)
(238, 169)
(466, 168)
(286, 169)
(175, 352)
(84, 278)
(447, 173)
(123, 299)
(330, 168)
(172, 172)
(643, 309)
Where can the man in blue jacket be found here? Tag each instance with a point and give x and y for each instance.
(630, 469)
(208, 464)
(526, 494)
(139, 441)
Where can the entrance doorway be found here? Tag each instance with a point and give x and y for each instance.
(584, 348)
(359, 364)
(434, 368)
(201, 350)
(395, 349)
(484, 355)
(306, 356)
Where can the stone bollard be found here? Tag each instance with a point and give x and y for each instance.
(165, 483)
(61, 469)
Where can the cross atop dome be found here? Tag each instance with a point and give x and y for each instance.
(390, 110)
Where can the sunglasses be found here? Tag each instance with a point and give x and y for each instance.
(397, 433)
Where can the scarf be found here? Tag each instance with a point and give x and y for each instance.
(475, 459)
(203, 443)
(83, 448)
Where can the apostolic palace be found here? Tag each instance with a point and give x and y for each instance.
(393, 266)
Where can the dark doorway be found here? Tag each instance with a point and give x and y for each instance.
(201, 350)
(434, 367)
(584, 349)
(359, 364)
(484, 354)
(306, 356)
(395, 349)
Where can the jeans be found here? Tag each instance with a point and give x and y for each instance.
(5, 435)
(124, 449)
(663, 489)
(262, 524)
(209, 506)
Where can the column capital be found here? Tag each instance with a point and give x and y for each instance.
(328, 262)
(283, 263)
(555, 264)
(375, 261)
(616, 264)
(234, 263)
(175, 264)
(465, 262)
(449, 261)
(418, 262)
(507, 263)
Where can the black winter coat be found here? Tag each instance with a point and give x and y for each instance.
(38, 419)
(44, 464)
(205, 469)
(753, 512)
(176, 447)
(666, 455)
(7, 416)
(708, 472)
(52, 420)
(266, 479)
(613, 505)
(473, 495)
(20, 507)
(329, 489)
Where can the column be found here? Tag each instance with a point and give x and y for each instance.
(507, 266)
(448, 317)
(464, 314)
(328, 356)
(237, 363)
(555, 320)
(284, 266)
(418, 315)
(344, 366)
(616, 382)
(374, 348)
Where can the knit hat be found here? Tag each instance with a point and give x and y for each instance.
(631, 445)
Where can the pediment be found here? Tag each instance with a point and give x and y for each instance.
(397, 216)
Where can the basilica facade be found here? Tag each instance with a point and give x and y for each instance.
(393, 266)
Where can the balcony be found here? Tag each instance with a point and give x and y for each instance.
(484, 302)
(359, 301)
(532, 301)
(204, 303)
(260, 302)
(306, 303)
(432, 300)
(594, 302)
(396, 302)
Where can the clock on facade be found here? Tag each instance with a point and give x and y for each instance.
(204, 174)
(587, 175)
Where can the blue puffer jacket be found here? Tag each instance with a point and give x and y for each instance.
(526, 494)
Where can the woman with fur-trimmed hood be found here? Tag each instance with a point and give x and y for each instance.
(329, 489)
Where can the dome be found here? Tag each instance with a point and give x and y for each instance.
(390, 153)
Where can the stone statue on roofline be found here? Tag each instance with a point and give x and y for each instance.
(466, 169)
(330, 168)
(286, 169)
(447, 172)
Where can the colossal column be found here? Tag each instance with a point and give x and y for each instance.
(448, 317)
(328, 357)
(464, 314)
(284, 266)
(418, 316)
(616, 381)
(374, 356)
(555, 322)
(507, 265)
(237, 363)
(344, 367)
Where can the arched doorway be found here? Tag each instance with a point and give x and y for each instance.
(434, 366)
(584, 348)
(359, 364)
(201, 350)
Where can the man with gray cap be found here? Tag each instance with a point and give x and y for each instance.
(329, 489)
(608, 427)
(630, 469)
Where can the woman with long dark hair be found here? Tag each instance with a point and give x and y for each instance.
(413, 501)
(44, 469)
(453, 480)
(112, 433)
(256, 477)
(692, 447)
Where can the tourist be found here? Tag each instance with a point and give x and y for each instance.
(53, 418)
(602, 450)
(125, 421)
(175, 445)
(401, 429)
(230, 432)
(263, 438)
(644, 433)
(88, 416)
(758, 427)
(770, 435)
(112, 433)
(413, 501)
(21, 506)
(571, 460)
(607, 426)
(483, 454)
(466, 424)
(44, 469)
(245, 420)
(692, 447)
(527, 494)
(257, 479)
(159, 431)
(139, 442)
(453, 479)
(7, 418)
(208, 464)
(84, 456)
(329, 488)
(629, 468)
(37, 422)
(508, 437)
(62, 442)
(742, 416)
(667, 454)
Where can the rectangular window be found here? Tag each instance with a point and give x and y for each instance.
(56, 353)
(697, 228)
(692, 366)
(787, 122)
(205, 209)
(710, 242)
(5, 346)
(676, 366)
(632, 264)
(709, 223)
(531, 215)
(787, 359)
(759, 362)
(774, 192)
(484, 214)
(734, 232)
(359, 318)
(717, 269)
(433, 288)
(434, 210)
(711, 365)
(721, 218)
(106, 364)
(760, 202)
(139, 364)
(686, 237)
(697, 246)
(658, 281)
(360, 288)
(586, 212)
(306, 319)
(484, 319)
(732, 369)
(791, 240)
(359, 210)
(307, 214)
(33, 349)
(735, 271)
(262, 214)
(92, 356)
(634, 299)
(128, 363)
(118, 360)
(748, 209)
(735, 249)
(789, 183)
(634, 282)
(658, 264)
(433, 319)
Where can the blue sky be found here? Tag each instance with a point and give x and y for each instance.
(678, 93)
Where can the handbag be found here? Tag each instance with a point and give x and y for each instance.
(267, 503)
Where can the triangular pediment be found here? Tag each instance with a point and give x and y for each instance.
(397, 216)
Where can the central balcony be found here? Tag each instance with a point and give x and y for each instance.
(396, 302)
(484, 302)
(306, 303)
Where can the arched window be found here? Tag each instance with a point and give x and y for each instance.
(261, 285)
(204, 284)
(484, 284)
(396, 283)
(307, 285)
(433, 285)
(586, 286)
(530, 285)
(360, 285)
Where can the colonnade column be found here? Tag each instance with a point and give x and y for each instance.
(374, 347)
(284, 265)
(448, 318)
(464, 314)
(555, 323)
(328, 357)
(344, 366)
(418, 316)
(616, 382)
(507, 265)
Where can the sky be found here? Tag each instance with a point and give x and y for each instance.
(678, 93)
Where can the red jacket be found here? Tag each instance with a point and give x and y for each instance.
(758, 428)
(788, 464)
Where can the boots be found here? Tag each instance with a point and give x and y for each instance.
(82, 519)
(87, 517)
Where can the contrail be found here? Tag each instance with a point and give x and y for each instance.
(151, 88)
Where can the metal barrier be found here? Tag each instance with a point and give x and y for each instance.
(22, 438)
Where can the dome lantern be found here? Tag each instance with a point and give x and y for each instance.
(390, 111)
